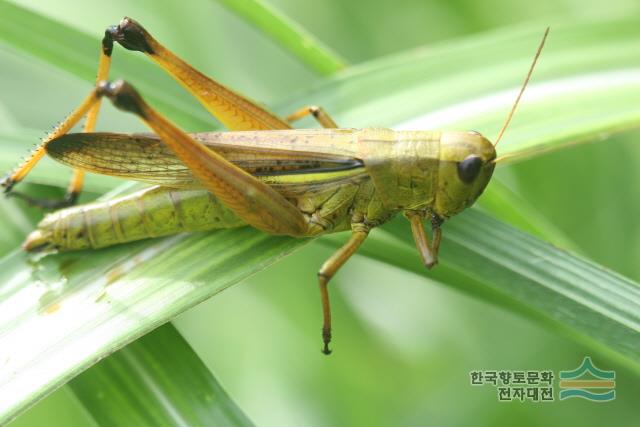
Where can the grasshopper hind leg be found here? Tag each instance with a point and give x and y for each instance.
(69, 199)
(89, 107)
(235, 111)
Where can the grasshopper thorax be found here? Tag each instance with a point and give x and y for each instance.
(439, 172)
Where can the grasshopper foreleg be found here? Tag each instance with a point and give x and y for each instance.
(428, 251)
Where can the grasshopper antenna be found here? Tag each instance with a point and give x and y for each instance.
(524, 86)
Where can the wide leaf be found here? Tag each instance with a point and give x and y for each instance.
(78, 307)
(156, 380)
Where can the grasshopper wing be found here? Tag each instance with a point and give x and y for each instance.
(143, 157)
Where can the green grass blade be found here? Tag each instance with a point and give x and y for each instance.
(585, 86)
(81, 306)
(86, 304)
(157, 380)
(510, 207)
(287, 33)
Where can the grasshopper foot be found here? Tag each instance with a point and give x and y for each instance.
(326, 339)
(68, 200)
(7, 183)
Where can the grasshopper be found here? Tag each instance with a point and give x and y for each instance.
(296, 182)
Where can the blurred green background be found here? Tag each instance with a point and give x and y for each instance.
(398, 361)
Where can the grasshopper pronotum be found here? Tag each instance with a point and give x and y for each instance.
(264, 173)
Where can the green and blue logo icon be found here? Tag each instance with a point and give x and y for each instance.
(596, 385)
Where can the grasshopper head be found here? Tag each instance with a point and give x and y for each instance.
(466, 166)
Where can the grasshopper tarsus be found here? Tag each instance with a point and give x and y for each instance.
(326, 338)
(68, 200)
(431, 264)
(7, 183)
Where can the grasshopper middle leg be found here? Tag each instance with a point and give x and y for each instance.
(358, 235)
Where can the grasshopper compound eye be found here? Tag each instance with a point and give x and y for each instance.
(469, 168)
